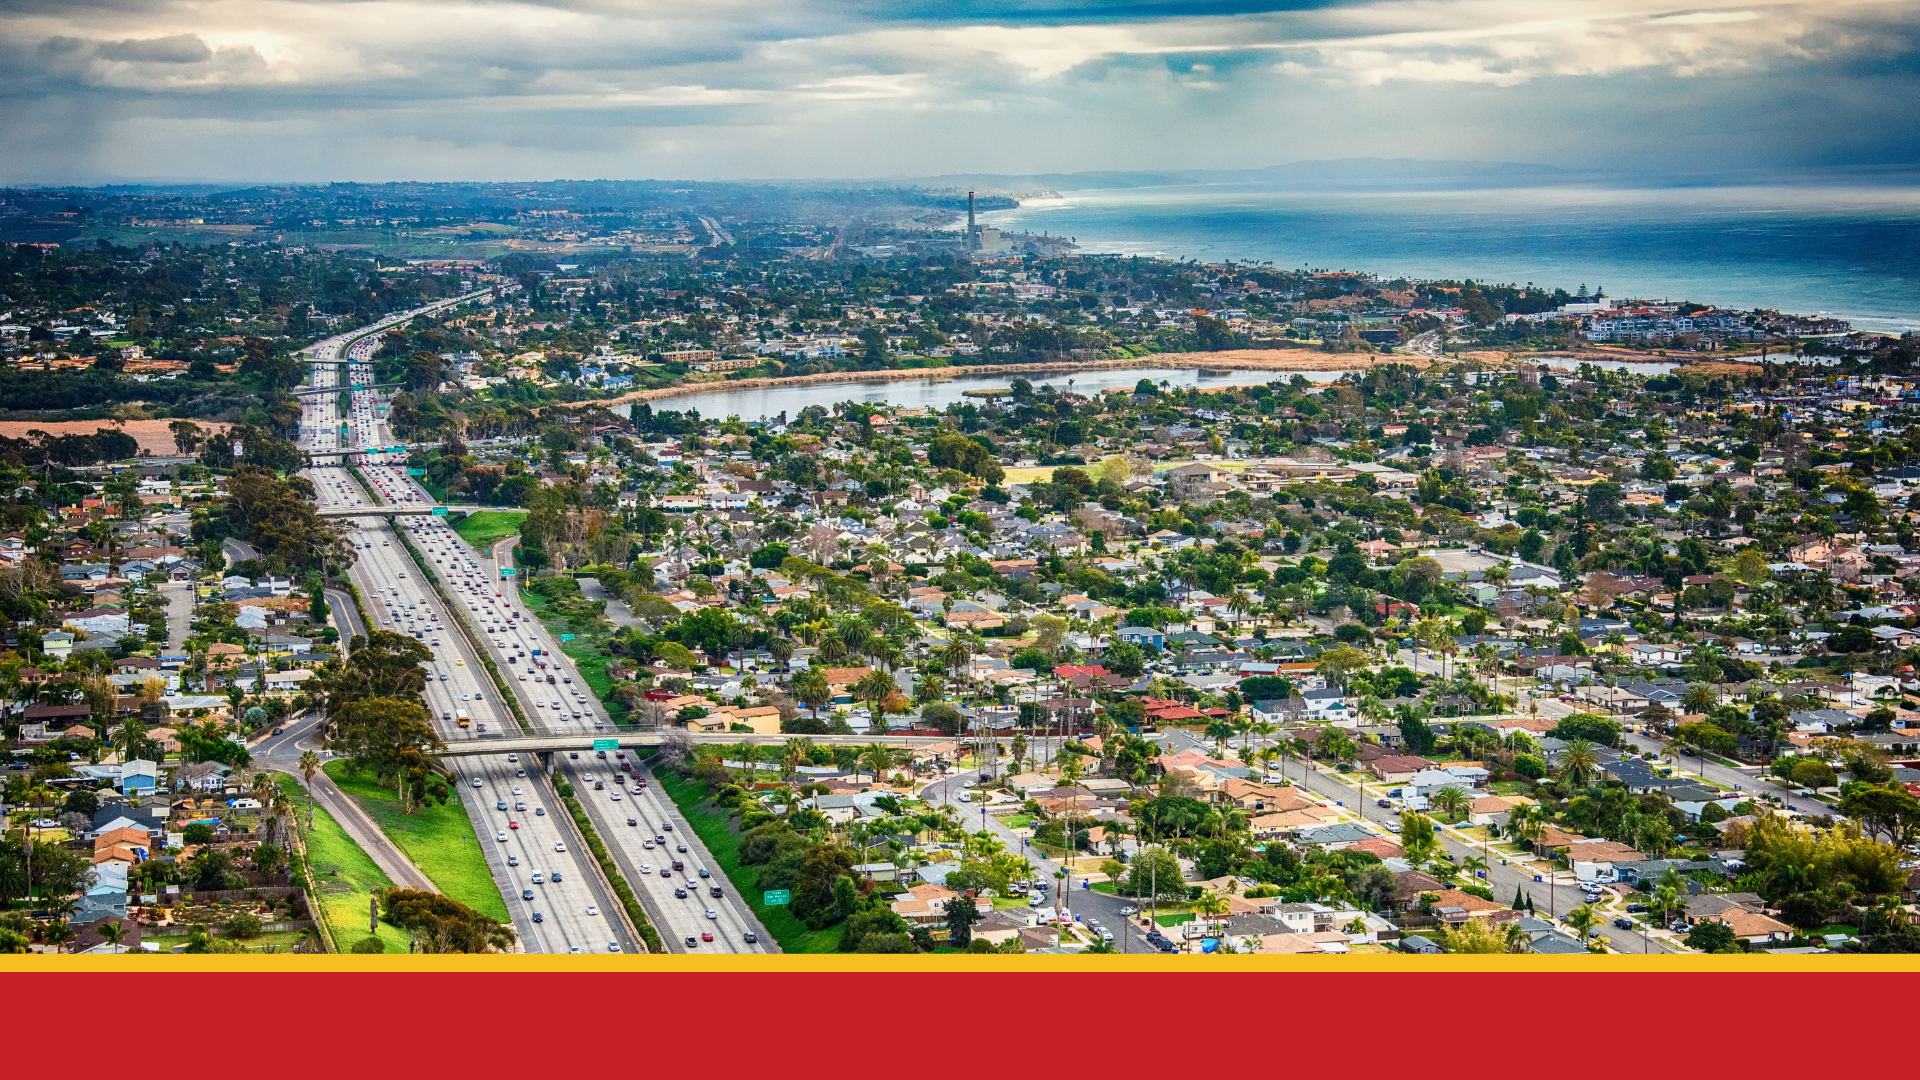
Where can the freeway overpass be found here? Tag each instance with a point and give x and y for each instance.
(633, 740)
(314, 391)
(386, 510)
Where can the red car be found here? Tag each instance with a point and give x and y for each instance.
(706, 935)
(631, 821)
(642, 781)
(513, 824)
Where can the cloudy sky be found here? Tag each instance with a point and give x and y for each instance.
(96, 90)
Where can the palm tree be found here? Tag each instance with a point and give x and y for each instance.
(1473, 865)
(309, 764)
(1578, 762)
(793, 755)
(956, 653)
(112, 932)
(750, 756)
(782, 650)
(1666, 900)
(1452, 800)
(877, 757)
(810, 687)
(1524, 822)
(1583, 919)
(874, 688)
(1211, 903)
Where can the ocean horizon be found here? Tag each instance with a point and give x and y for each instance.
(1850, 252)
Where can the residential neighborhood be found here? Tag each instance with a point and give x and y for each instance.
(1493, 635)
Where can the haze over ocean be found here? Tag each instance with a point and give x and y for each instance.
(1853, 252)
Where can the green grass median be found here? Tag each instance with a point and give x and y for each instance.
(440, 840)
(483, 528)
(612, 870)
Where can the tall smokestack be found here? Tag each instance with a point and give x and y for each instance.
(969, 212)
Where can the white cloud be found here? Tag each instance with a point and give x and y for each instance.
(808, 86)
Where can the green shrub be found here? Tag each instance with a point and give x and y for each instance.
(369, 945)
(243, 926)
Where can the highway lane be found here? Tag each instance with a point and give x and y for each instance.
(397, 599)
(498, 619)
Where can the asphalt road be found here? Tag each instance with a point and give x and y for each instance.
(511, 641)
(1077, 902)
(578, 913)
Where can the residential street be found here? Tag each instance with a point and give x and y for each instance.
(1080, 901)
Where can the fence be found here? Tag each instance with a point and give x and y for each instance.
(183, 929)
(264, 892)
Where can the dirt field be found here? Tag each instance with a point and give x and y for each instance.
(152, 435)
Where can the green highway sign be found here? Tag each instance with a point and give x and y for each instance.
(566, 637)
(776, 897)
(506, 571)
(606, 744)
(439, 511)
(416, 472)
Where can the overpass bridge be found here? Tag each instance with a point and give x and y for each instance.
(634, 740)
(389, 510)
(315, 391)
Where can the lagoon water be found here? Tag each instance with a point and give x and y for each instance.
(1851, 251)
(938, 393)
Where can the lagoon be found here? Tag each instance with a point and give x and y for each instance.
(937, 392)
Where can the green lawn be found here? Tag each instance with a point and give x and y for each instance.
(592, 664)
(345, 877)
(484, 527)
(439, 839)
(716, 832)
(1511, 787)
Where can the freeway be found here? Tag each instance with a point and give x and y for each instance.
(533, 834)
(643, 829)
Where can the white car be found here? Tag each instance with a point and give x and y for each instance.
(559, 845)
(502, 837)
(592, 910)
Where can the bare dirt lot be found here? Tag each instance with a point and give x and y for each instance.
(152, 435)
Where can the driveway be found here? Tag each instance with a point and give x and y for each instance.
(179, 597)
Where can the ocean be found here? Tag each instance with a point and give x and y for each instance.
(1848, 252)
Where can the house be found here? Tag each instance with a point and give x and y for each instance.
(1492, 809)
(924, 905)
(1002, 925)
(138, 776)
(208, 776)
(1141, 635)
(1752, 927)
(1596, 860)
(1330, 705)
(1397, 769)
